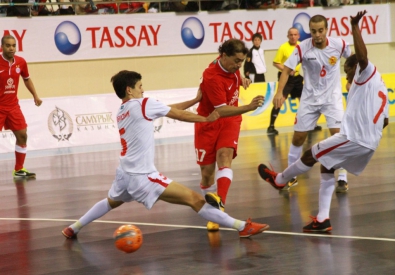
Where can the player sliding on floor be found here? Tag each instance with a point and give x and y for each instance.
(361, 129)
(137, 178)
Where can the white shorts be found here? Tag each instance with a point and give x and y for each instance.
(337, 151)
(143, 188)
(307, 115)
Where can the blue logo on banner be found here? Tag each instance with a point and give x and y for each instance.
(271, 88)
(301, 22)
(192, 32)
(67, 38)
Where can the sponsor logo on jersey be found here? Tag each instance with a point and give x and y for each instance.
(10, 87)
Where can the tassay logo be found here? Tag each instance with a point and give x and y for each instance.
(192, 32)
(67, 38)
(301, 22)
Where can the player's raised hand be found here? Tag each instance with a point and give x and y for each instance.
(355, 19)
(213, 116)
(278, 100)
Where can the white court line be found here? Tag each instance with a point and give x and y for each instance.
(203, 227)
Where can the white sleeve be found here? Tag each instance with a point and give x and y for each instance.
(294, 59)
(361, 77)
(347, 50)
(155, 109)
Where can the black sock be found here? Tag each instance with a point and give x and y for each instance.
(273, 116)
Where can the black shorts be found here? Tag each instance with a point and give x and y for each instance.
(259, 78)
(293, 87)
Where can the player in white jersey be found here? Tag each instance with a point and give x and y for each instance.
(137, 178)
(365, 117)
(322, 94)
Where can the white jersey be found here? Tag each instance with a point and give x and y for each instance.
(258, 59)
(136, 130)
(321, 69)
(367, 106)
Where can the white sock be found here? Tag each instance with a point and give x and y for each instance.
(99, 209)
(213, 214)
(294, 153)
(342, 174)
(211, 189)
(297, 168)
(326, 190)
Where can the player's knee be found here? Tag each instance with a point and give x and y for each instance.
(21, 137)
(196, 201)
(114, 204)
(308, 159)
(298, 138)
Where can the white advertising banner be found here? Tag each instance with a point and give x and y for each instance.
(88, 120)
(66, 38)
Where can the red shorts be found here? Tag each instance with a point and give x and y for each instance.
(12, 119)
(210, 137)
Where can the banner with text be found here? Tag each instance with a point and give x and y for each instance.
(88, 120)
(67, 38)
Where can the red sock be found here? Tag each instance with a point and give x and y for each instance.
(224, 178)
(20, 154)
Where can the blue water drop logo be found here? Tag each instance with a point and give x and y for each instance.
(301, 22)
(192, 32)
(67, 38)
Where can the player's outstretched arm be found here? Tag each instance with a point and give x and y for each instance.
(226, 110)
(189, 103)
(359, 45)
(186, 116)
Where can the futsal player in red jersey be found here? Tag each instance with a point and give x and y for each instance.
(216, 143)
(11, 116)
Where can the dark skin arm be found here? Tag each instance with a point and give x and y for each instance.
(360, 48)
(385, 122)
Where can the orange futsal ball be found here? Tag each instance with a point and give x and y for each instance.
(128, 238)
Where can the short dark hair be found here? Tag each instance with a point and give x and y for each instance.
(5, 37)
(319, 18)
(124, 79)
(351, 61)
(232, 46)
(257, 35)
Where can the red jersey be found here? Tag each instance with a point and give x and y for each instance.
(9, 80)
(219, 88)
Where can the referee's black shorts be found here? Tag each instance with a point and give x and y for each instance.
(293, 87)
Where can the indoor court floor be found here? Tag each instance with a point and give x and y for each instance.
(70, 181)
